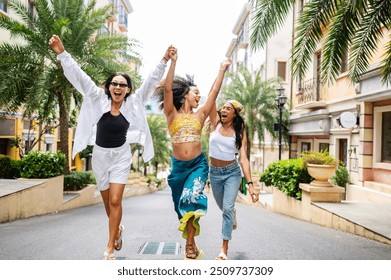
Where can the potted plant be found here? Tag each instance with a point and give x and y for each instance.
(321, 166)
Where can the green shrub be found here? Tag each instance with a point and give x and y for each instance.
(9, 168)
(42, 165)
(341, 177)
(286, 175)
(78, 180)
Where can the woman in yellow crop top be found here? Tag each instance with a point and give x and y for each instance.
(189, 167)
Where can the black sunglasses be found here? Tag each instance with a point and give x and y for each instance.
(115, 84)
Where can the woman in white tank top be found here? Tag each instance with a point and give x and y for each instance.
(228, 141)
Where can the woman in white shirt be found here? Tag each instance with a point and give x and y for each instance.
(227, 140)
(119, 119)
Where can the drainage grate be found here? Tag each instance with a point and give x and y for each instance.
(159, 248)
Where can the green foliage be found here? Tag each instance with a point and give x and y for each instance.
(341, 177)
(160, 139)
(258, 99)
(286, 175)
(42, 165)
(158, 182)
(32, 79)
(9, 168)
(357, 27)
(322, 158)
(78, 180)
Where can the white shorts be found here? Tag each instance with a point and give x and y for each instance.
(111, 165)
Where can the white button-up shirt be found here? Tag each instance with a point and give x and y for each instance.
(95, 104)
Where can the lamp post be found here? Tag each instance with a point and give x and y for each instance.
(280, 102)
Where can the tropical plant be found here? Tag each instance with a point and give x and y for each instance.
(354, 26)
(258, 99)
(32, 78)
(161, 141)
(341, 177)
(320, 158)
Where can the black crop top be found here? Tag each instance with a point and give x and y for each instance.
(111, 131)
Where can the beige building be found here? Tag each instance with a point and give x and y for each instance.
(275, 59)
(352, 121)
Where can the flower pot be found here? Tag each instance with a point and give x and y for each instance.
(321, 174)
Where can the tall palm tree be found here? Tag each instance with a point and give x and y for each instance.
(258, 99)
(161, 141)
(354, 26)
(32, 77)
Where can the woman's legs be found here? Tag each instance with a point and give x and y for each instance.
(112, 199)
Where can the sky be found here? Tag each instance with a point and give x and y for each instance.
(201, 30)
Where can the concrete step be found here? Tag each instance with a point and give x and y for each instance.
(378, 187)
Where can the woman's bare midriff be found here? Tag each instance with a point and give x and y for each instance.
(186, 151)
(220, 163)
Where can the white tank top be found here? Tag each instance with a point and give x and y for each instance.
(222, 147)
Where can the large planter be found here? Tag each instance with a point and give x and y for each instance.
(321, 174)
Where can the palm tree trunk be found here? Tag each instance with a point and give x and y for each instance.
(64, 127)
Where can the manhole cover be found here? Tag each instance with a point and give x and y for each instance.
(159, 248)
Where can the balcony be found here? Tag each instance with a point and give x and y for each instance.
(123, 23)
(309, 95)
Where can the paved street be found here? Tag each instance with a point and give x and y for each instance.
(81, 234)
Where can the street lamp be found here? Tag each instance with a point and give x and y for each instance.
(280, 102)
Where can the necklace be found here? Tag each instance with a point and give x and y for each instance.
(184, 112)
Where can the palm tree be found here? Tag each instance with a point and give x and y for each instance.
(258, 99)
(161, 141)
(354, 26)
(33, 79)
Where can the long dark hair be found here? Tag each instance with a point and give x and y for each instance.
(180, 87)
(239, 127)
(106, 83)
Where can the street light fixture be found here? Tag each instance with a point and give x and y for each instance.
(280, 102)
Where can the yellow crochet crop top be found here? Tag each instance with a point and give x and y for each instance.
(185, 129)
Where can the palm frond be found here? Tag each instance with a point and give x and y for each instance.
(316, 15)
(364, 43)
(267, 17)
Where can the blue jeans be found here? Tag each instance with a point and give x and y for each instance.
(225, 182)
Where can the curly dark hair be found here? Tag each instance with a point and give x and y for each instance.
(106, 84)
(180, 87)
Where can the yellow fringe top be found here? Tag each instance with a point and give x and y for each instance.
(185, 129)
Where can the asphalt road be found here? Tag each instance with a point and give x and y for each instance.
(81, 234)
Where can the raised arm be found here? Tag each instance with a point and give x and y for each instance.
(146, 89)
(168, 94)
(214, 91)
(72, 71)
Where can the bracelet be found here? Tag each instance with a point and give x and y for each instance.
(248, 183)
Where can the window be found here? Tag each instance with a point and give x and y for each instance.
(3, 146)
(324, 146)
(344, 62)
(382, 137)
(4, 5)
(281, 70)
(305, 146)
(318, 61)
(300, 5)
(386, 137)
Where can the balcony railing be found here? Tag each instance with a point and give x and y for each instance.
(309, 92)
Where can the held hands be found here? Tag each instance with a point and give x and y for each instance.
(56, 44)
(225, 64)
(172, 53)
